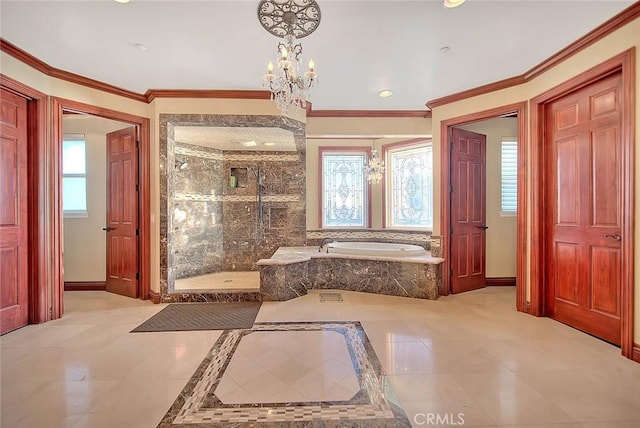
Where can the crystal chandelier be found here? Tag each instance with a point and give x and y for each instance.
(374, 170)
(289, 20)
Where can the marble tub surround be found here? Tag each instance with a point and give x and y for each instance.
(339, 380)
(435, 243)
(243, 219)
(417, 277)
(283, 281)
(417, 280)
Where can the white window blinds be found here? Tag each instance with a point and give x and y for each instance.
(509, 175)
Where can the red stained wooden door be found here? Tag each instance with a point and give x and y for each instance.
(14, 267)
(583, 280)
(468, 210)
(122, 213)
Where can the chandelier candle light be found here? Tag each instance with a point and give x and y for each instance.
(374, 170)
(290, 20)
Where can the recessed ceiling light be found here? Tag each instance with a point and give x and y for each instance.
(248, 143)
(269, 144)
(452, 3)
(444, 49)
(123, 1)
(385, 93)
(140, 46)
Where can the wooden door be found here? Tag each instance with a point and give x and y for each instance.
(583, 246)
(14, 265)
(122, 213)
(468, 212)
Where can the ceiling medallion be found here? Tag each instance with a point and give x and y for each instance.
(284, 17)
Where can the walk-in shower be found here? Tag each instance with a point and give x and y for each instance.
(235, 204)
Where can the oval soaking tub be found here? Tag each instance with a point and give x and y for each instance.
(381, 249)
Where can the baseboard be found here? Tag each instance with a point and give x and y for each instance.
(501, 282)
(85, 286)
(635, 353)
(154, 297)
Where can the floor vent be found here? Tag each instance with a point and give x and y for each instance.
(330, 297)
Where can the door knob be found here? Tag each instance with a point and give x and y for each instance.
(616, 237)
(106, 229)
(483, 227)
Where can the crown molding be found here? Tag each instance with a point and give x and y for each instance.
(43, 67)
(480, 90)
(151, 94)
(369, 113)
(595, 35)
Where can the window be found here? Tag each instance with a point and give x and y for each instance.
(344, 189)
(409, 188)
(74, 176)
(509, 176)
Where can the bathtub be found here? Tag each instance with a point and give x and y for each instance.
(380, 249)
(370, 267)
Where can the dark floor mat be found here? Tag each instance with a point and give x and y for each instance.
(202, 316)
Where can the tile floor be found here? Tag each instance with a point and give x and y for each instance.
(468, 358)
(238, 280)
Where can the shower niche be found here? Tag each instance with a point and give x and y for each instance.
(238, 177)
(231, 205)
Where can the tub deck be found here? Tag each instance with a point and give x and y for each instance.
(291, 271)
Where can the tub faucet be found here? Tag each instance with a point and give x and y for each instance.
(325, 240)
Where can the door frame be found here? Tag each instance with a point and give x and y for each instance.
(624, 63)
(43, 220)
(144, 217)
(445, 196)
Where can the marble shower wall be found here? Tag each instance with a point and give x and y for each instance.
(237, 234)
(197, 213)
(260, 218)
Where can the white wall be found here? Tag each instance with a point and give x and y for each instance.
(501, 235)
(84, 241)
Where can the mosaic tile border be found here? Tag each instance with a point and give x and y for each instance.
(374, 406)
(234, 198)
(262, 156)
(195, 152)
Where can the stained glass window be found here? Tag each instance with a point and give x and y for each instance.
(344, 191)
(410, 186)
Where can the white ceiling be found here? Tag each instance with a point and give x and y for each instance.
(359, 48)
